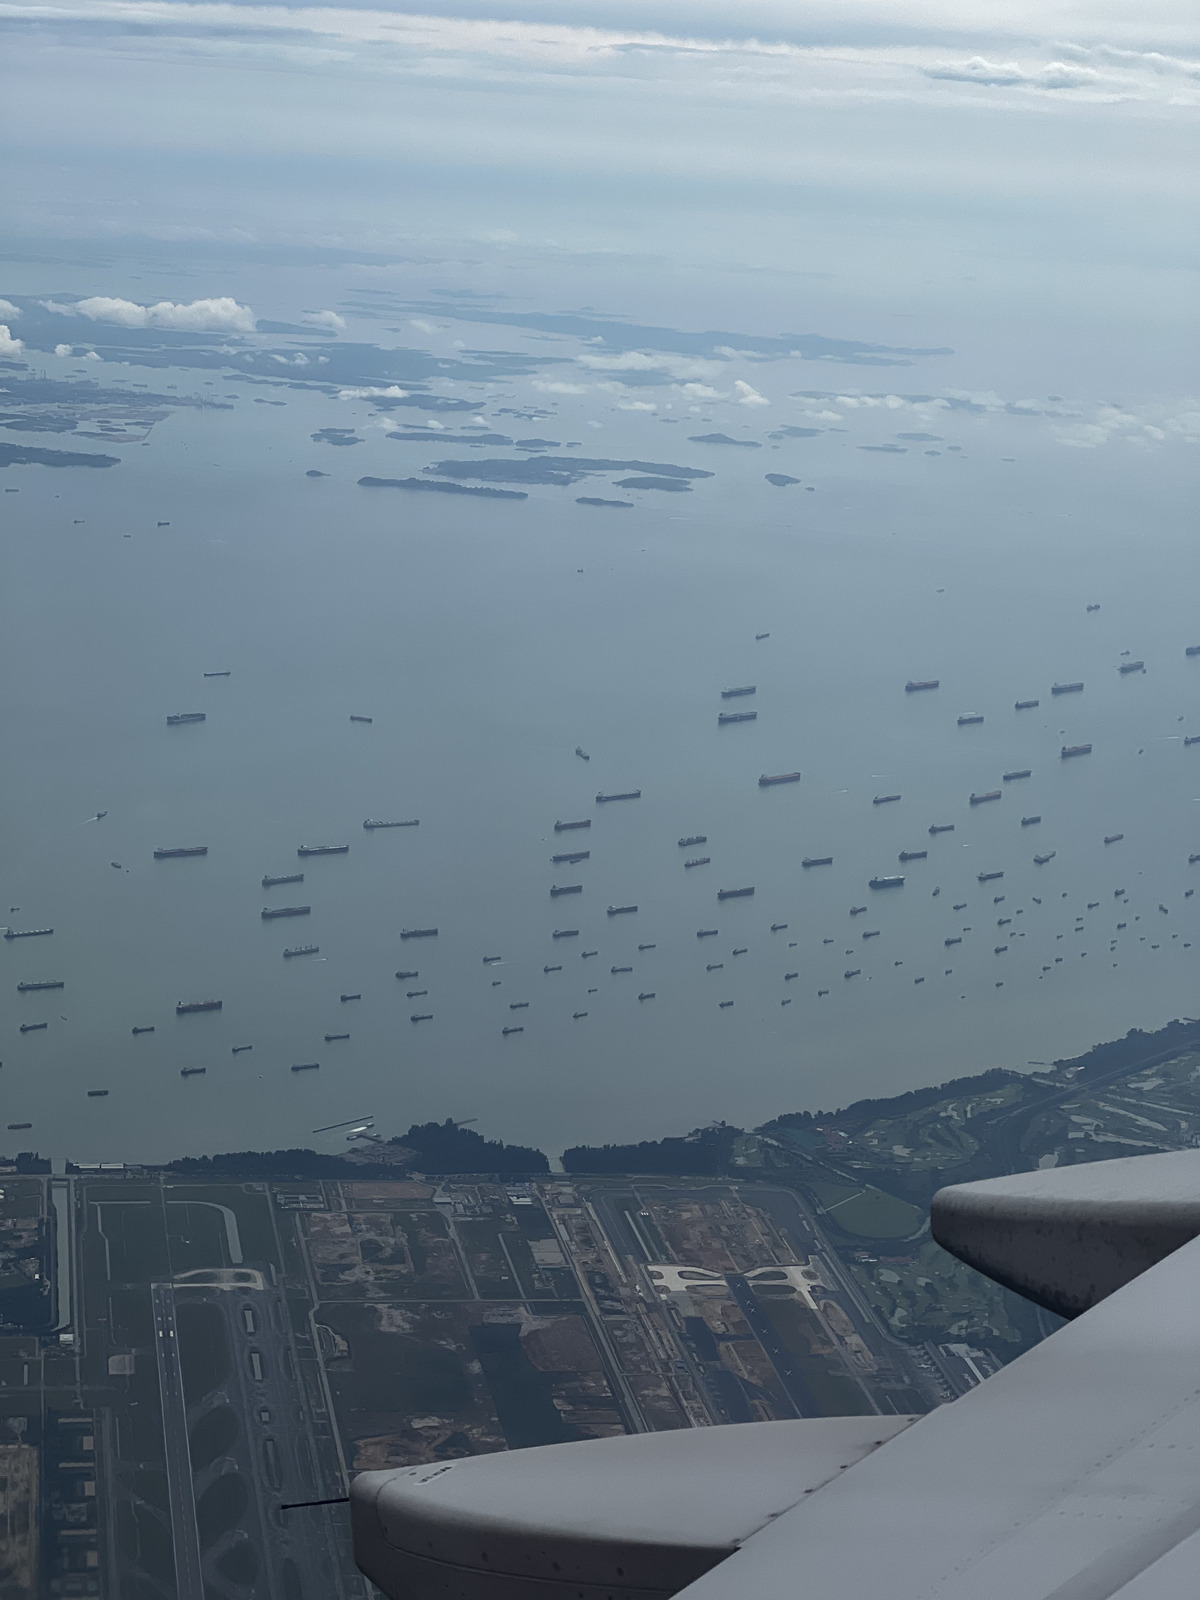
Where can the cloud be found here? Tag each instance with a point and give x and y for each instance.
(748, 395)
(423, 325)
(325, 319)
(63, 350)
(546, 386)
(1155, 426)
(222, 315)
(7, 309)
(679, 369)
(392, 392)
(8, 345)
(637, 405)
(1054, 75)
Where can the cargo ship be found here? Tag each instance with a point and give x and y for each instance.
(706, 933)
(185, 1006)
(915, 684)
(568, 888)
(306, 1066)
(1028, 822)
(372, 822)
(736, 694)
(504, 1031)
(240, 1049)
(13, 1126)
(344, 997)
(301, 950)
(418, 933)
(647, 995)
(192, 1072)
(217, 674)
(941, 827)
(913, 855)
(292, 877)
(582, 753)
(1066, 688)
(647, 947)
(1192, 650)
(571, 857)
(27, 933)
(1113, 838)
(1023, 772)
(136, 1031)
(991, 794)
(817, 861)
(698, 861)
(969, 717)
(1075, 750)
(872, 933)
(269, 913)
(1132, 666)
(181, 850)
(562, 827)
(403, 975)
(884, 799)
(97, 1094)
(1191, 738)
(1027, 705)
(353, 718)
(886, 883)
(48, 983)
(778, 927)
(330, 1037)
(1042, 860)
(736, 716)
(949, 942)
(691, 839)
(1093, 608)
(421, 1016)
(988, 877)
(852, 972)
(565, 933)
(615, 970)
(620, 911)
(627, 794)
(186, 716)
(322, 849)
(770, 778)
(33, 1027)
(734, 894)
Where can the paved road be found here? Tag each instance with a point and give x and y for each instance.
(189, 1581)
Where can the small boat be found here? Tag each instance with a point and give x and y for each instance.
(217, 674)
(33, 1027)
(330, 1037)
(714, 966)
(734, 894)
(999, 949)
(575, 1015)
(760, 636)
(373, 822)
(735, 694)
(240, 1049)
(1093, 608)
(97, 1094)
(192, 1072)
(1028, 822)
(691, 839)
(620, 911)
(627, 794)
(504, 1031)
(769, 779)
(1066, 688)
(1131, 666)
(136, 1031)
(992, 794)
(404, 975)
(698, 861)
(353, 718)
(969, 718)
(1026, 705)
(872, 933)
(915, 684)
(291, 877)
(562, 827)
(1113, 838)
(725, 1005)
(706, 933)
(416, 994)
(488, 961)
(519, 1005)
(13, 1127)
(913, 855)
(302, 950)
(1069, 750)
(100, 816)
(615, 970)
(571, 857)
(46, 983)
(1041, 861)
(418, 933)
(789, 976)
(855, 911)
(778, 927)
(582, 753)
(987, 877)
(306, 1066)
(941, 827)
(736, 716)
(1192, 650)
(181, 717)
(647, 995)
(1023, 772)
(852, 972)
(647, 947)
(559, 969)
(884, 799)
(270, 913)
(565, 933)
(422, 1016)
(949, 942)
(322, 849)
(816, 861)
(184, 1006)
(569, 888)
(886, 883)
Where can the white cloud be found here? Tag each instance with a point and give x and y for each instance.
(680, 368)
(423, 325)
(392, 392)
(1054, 75)
(8, 345)
(93, 355)
(592, 424)
(325, 319)
(701, 391)
(221, 315)
(1154, 426)
(546, 386)
(636, 405)
(7, 309)
(748, 395)
(63, 350)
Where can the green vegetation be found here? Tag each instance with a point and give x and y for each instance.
(866, 1212)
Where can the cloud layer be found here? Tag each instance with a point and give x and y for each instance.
(222, 315)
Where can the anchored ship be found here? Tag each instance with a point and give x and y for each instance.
(628, 794)
(770, 778)
(1028, 822)
(185, 1006)
(27, 933)
(186, 716)
(418, 933)
(569, 888)
(886, 883)
(302, 950)
(1132, 666)
(48, 983)
(353, 718)
(192, 1072)
(1026, 705)
(988, 877)
(1066, 688)
(1025, 772)
(620, 911)
(913, 855)
(941, 827)
(884, 799)
(736, 716)
(1042, 860)
(992, 794)
(1075, 750)
(733, 894)
(561, 827)
(1113, 838)
(565, 933)
(269, 913)
(735, 694)
(371, 822)
(698, 861)
(817, 861)
(969, 717)
(181, 850)
(322, 849)
(691, 839)
(914, 684)
(292, 877)
(571, 857)
(306, 1066)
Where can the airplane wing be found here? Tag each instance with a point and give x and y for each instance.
(1072, 1474)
